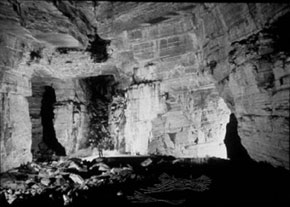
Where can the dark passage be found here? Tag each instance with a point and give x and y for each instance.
(98, 49)
(235, 149)
(100, 91)
(47, 115)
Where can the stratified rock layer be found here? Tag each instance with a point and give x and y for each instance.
(184, 61)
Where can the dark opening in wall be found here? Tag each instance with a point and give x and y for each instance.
(235, 149)
(41, 106)
(281, 32)
(100, 91)
(98, 49)
(47, 116)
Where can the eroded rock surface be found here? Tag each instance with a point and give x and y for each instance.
(190, 59)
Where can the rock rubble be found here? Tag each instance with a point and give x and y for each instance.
(64, 181)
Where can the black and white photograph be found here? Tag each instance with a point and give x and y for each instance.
(144, 103)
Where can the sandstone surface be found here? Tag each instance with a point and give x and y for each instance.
(183, 67)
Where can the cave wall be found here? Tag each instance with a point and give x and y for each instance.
(15, 124)
(70, 115)
(15, 131)
(71, 119)
(224, 53)
(259, 84)
(230, 48)
(172, 108)
(249, 58)
(143, 105)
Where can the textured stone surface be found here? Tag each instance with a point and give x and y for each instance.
(70, 125)
(183, 114)
(253, 83)
(15, 140)
(70, 119)
(196, 129)
(261, 99)
(227, 50)
(189, 49)
(143, 105)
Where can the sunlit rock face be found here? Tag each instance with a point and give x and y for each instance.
(197, 129)
(254, 81)
(143, 105)
(187, 123)
(259, 85)
(16, 142)
(224, 45)
(15, 123)
(172, 108)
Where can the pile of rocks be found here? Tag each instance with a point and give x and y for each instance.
(59, 180)
(75, 181)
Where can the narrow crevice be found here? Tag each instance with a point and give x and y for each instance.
(66, 50)
(16, 6)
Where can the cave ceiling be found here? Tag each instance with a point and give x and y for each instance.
(52, 28)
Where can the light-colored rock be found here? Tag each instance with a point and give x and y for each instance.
(76, 178)
(143, 105)
(15, 139)
(68, 127)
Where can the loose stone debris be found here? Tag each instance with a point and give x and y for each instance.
(67, 181)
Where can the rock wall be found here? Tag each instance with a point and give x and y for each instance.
(71, 119)
(143, 105)
(70, 116)
(260, 87)
(34, 100)
(172, 107)
(196, 129)
(15, 131)
(15, 124)
(234, 49)
(234, 52)
(247, 57)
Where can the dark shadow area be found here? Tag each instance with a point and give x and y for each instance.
(281, 33)
(98, 49)
(47, 115)
(100, 91)
(235, 149)
(229, 184)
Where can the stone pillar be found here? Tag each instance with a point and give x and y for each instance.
(70, 115)
(143, 105)
(15, 124)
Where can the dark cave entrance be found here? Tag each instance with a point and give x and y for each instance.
(41, 109)
(235, 149)
(47, 116)
(100, 91)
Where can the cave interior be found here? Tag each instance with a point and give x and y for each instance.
(144, 103)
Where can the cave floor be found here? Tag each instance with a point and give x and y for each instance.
(145, 181)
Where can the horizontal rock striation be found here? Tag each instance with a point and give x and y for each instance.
(192, 64)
